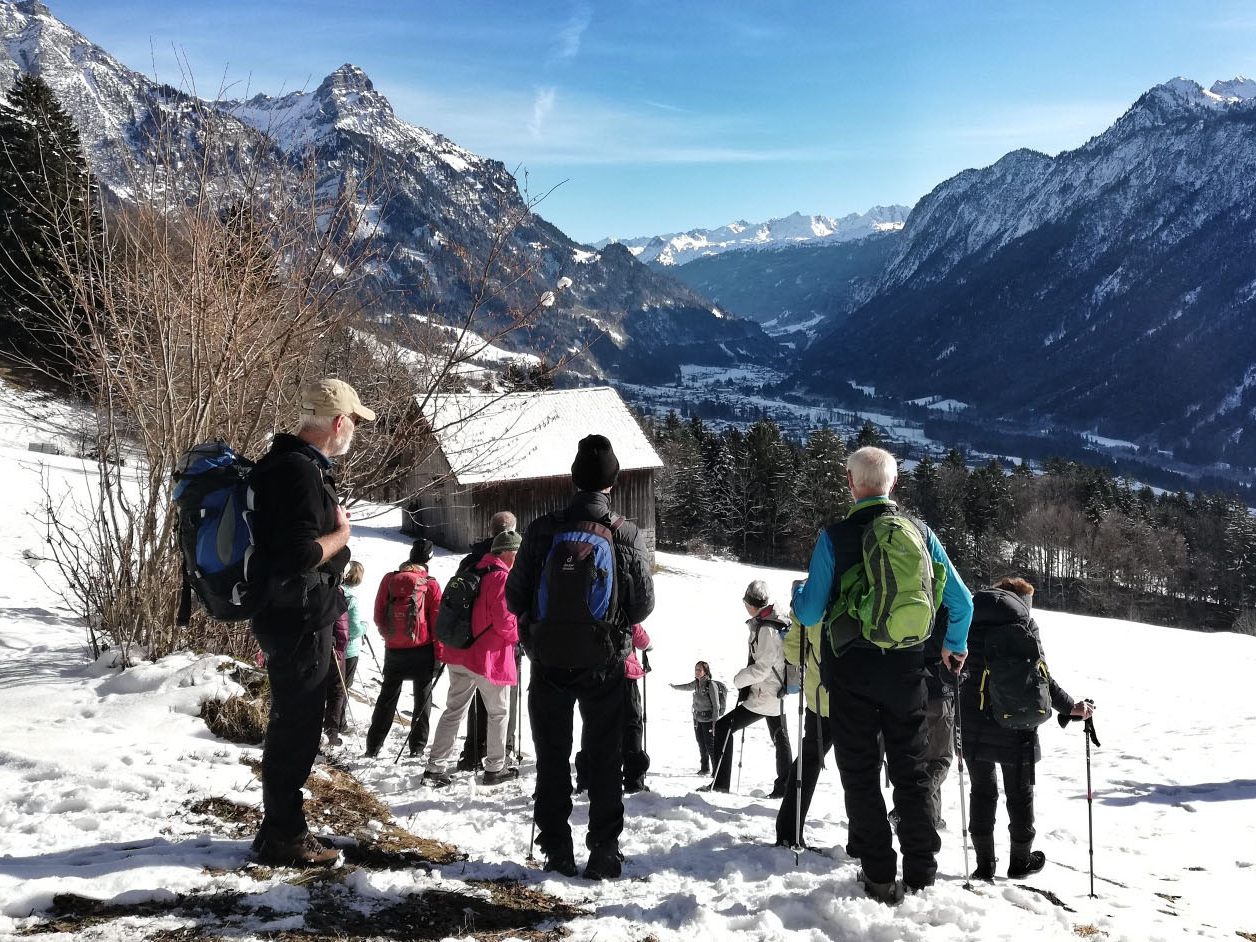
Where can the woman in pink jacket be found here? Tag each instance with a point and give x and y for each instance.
(488, 666)
(636, 760)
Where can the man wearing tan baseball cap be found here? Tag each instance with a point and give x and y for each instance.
(302, 547)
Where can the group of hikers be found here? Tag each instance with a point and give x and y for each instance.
(897, 665)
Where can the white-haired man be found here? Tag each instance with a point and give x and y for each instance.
(878, 693)
(302, 536)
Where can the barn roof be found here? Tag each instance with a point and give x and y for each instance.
(490, 437)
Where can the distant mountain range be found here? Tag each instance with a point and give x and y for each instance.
(678, 248)
(436, 227)
(1110, 288)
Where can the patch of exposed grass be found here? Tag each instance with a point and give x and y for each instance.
(240, 719)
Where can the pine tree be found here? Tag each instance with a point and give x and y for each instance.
(47, 225)
(868, 436)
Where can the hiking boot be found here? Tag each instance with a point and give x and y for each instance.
(437, 779)
(304, 851)
(711, 787)
(563, 862)
(333, 737)
(508, 774)
(777, 792)
(888, 893)
(985, 869)
(705, 770)
(631, 788)
(465, 764)
(605, 863)
(1023, 866)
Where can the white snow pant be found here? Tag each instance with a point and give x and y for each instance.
(463, 684)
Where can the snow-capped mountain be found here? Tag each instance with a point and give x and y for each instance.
(677, 248)
(435, 228)
(1111, 287)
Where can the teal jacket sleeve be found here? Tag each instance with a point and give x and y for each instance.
(958, 600)
(811, 599)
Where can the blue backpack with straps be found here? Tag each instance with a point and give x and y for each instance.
(214, 503)
(578, 623)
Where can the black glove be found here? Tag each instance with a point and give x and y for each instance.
(1065, 718)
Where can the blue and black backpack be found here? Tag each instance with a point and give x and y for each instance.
(578, 622)
(214, 502)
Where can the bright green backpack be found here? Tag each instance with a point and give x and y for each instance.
(890, 597)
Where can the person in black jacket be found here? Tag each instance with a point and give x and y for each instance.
(302, 536)
(476, 740)
(598, 688)
(987, 745)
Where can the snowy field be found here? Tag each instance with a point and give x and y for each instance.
(97, 766)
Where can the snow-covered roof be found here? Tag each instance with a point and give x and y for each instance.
(519, 436)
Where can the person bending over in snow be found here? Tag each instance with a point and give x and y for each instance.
(1004, 637)
(708, 706)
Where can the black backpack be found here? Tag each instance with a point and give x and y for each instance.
(453, 621)
(1015, 686)
(214, 503)
(578, 623)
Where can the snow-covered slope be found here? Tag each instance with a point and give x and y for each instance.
(97, 767)
(677, 248)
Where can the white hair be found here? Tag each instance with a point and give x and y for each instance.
(872, 469)
(320, 424)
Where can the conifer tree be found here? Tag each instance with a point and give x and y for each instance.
(47, 226)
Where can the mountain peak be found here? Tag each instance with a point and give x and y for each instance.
(32, 8)
(346, 79)
(1237, 87)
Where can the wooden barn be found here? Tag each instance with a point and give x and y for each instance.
(514, 453)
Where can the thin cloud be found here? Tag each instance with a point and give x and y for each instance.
(542, 106)
(570, 35)
(1050, 128)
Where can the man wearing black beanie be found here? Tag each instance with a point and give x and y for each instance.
(577, 638)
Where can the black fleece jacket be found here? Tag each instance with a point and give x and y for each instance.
(294, 497)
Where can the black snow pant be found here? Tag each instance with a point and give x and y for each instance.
(298, 696)
(817, 740)
(339, 680)
(738, 719)
(553, 695)
(704, 732)
(477, 734)
(636, 760)
(1018, 789)
(417, 665)
(882, 694)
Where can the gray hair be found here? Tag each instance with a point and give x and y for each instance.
(872, 469)
(757, 594)
(502, 521)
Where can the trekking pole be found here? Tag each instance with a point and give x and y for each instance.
(367, 638)
(475, 732)
(645, 702)
(963, 794)
(741, 754)
(1088, 730)
(802, 722)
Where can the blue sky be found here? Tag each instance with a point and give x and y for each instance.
(659, 116)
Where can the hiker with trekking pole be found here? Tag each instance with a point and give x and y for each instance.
(762, 683)
(876, 579)
(1006, 695)
(1088, 734)
(406, 607)
(802, 648)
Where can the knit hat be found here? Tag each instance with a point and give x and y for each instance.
(595, 467)
(507, 541)
(421, 551)
(757, 594)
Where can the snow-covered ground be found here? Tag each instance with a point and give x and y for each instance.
(97, 765)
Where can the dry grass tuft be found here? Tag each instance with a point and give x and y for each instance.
(239, 719)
